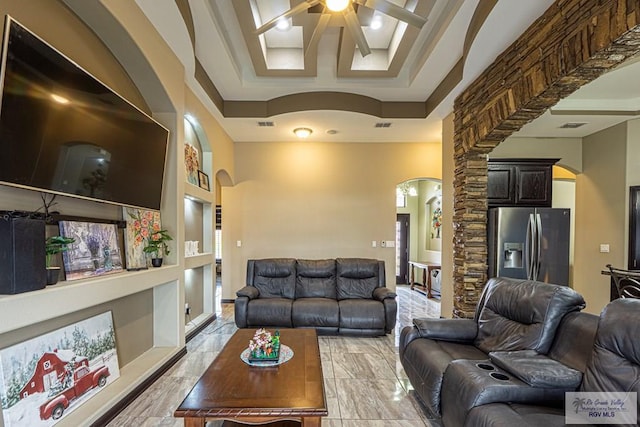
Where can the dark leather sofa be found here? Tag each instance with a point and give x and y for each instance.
(334, 296)
(450, 362)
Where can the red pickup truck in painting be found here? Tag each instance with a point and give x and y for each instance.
(83, 381)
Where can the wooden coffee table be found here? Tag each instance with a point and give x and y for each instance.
(234, 391)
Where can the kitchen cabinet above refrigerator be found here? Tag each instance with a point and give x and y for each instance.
(520, 182)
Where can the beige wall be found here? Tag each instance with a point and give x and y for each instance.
(568, 150)
(316, 200)
(601, 209)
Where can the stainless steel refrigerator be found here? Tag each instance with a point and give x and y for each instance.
(529, 243)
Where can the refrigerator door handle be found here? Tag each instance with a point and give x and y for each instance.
(528, 247)
(538, 247)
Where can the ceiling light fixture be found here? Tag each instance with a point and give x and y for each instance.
(59, 99)
(284, 24)
(302, 132)
(376, 23)
(337, 5)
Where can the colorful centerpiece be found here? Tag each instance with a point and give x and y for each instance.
(264, 347)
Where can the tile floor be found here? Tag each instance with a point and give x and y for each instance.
(365, 384)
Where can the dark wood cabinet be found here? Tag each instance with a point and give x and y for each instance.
(520, 182)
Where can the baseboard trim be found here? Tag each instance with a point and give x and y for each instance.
(129, 398)
(227, 301)
(195, 331)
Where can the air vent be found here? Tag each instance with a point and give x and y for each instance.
(266, 124)
(383, 125)
(572, 125)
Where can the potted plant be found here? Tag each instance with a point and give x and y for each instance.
(157, 246)
(55, 245)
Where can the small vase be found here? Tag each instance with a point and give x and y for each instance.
(53, 273)
(156, 262)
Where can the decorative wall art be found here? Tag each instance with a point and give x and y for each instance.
(191, 163)
(436, 221)
(47, 377)
(203, 180)
(95, 251)
(141, 224)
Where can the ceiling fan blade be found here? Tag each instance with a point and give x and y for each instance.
(291, 12)
(396, 11)
(317, 32)
(353, 24)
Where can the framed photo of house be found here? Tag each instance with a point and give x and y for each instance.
(203, 180)
(95, 252)
(45, 378)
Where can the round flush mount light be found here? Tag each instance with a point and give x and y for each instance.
(302, 132)
(337, 5)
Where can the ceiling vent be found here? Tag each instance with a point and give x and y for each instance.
(383, 125)
(266, 124)
(572, 125)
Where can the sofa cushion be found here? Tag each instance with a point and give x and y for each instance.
(316, 278)
(274, 278)
(311, 312)
(357, 278)
(361, 314)
(522, 314)
(264, 312)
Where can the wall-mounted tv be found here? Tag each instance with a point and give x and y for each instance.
(63, 131)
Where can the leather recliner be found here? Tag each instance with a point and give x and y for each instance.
(512, 315)
(612, 365)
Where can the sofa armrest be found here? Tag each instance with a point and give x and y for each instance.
(454, 330)
(249, 292)
(537, 370)
(383, 293)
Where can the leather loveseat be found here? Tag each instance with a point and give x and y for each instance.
(455, 365)
(334, 296)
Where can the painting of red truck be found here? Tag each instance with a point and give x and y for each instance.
(44, 379)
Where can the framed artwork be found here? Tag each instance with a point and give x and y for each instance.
(141, 224)
(95, 251)
(47, 377)
(191, 163)
(203, 180)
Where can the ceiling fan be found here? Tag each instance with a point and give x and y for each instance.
(346, 7)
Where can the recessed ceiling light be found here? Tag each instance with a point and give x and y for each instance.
(284, 24)
(376, 23)
(302, 132)
(337, 5)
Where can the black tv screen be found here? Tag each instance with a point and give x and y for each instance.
(63, 131)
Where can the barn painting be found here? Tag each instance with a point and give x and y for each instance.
(45, 378)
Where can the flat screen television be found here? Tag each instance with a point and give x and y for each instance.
(62, 131)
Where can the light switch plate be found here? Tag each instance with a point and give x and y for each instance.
(604, 248)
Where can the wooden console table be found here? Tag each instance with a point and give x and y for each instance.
(426, 267)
